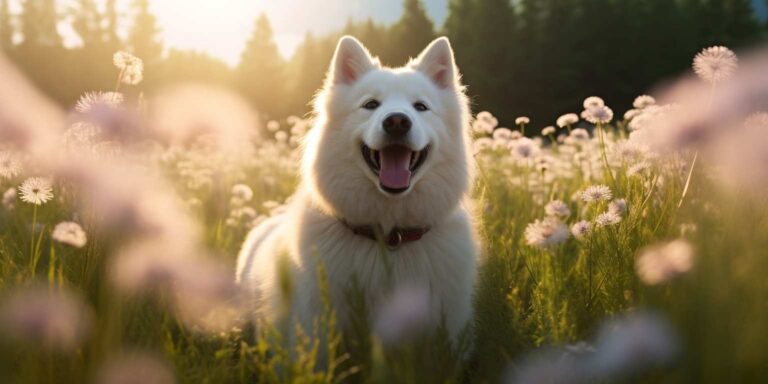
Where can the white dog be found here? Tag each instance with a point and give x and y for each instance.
(383, 200)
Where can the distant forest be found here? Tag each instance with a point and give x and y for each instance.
(525, 57)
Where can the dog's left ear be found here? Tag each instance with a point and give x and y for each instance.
(436, 61)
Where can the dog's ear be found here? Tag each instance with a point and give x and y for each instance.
(437, 62)
(350, 61)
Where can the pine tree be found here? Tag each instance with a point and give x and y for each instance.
(6, 26)
(260, 72)
(111, 17)
(143, 38)
(38, 23)
(410, 34)
(458, 28)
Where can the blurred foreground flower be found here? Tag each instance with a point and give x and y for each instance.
(545, 233)
(51, 319)
(10, 166)
(660, 263)
(403, 315)
(135, 369)
(36, 190)
(596, 193)
(71, 233)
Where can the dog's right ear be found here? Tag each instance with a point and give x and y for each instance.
(350, 61)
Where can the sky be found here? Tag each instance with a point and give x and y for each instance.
(222, 27)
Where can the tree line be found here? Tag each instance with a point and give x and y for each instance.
(533, 57)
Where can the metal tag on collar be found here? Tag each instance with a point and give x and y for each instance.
(398, 240)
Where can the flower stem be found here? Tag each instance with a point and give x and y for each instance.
(32, 256)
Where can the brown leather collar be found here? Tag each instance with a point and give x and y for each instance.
(396, 238)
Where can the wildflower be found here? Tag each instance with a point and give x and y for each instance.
(661, 263)
(135, 369)
(579, 134)
(567, 120)
(641, 102)
(124, 60)
(522, 120)
(36, 190)
(42, 317)
(607, 219)
(242, 192)
(403, 315)
(593, 102)
(546, 131)
(484, 123)
(504, 134)
(547, 232)
(557, 208)
(599, 115)
(10, 166)
(715, 64)
(618, 206)
(71, 233)
(581, 229)
(596, 193)
(524, 148)
(273, 126)
(638, 168)
(92, 101)
(636, 342)
(9, 198)
(631, 114)
(482, 144)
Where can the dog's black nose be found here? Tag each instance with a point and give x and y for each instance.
(397, 124)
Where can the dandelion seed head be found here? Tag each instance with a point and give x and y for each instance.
(36, 190)
(596, 193)
(524, 148)
(68, 232)
(661, 263)
(93, 101)
(522, 120)
(557, 208)
(546, 232)
(10, 166)
(502, 134)
(715, 64)
(579, 135)
(9, 198)
(242, 192)
(618, 206)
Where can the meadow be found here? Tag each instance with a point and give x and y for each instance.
(616, 247)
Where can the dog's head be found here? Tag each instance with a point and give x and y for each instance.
(390, 143)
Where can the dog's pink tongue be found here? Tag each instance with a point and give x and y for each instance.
(395, 162)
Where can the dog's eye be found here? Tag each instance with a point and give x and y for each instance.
(371, 104)
(421, 107)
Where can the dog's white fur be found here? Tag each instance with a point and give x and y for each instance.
(338, 185)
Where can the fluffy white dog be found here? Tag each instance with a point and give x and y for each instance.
(383, 200)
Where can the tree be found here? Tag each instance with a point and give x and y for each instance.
(111, 17)
(6, 26)
(260, 73)
(86, 22)
(410, 34)
(38, 23)
(143, 38)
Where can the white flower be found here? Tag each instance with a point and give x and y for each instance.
(581, 229)
(567, 120)
(715, 64)
(484, 123)
(93, 101)
(557, 208)
(632, 113)
(10, 166)
(593, 102)
(599, 115)
(661, 263)
(482, 144)
(504, 134)
(71, 233)
(36, 190)
(596, 193)
(242, 192)
(522, 120)
(131, 67)
(524, 148)
(607, 219)
(643, 101)
(618, 206)
(547, 232)
(579, 134)
(546, 131)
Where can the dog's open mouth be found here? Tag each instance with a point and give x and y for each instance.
(395, 165)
